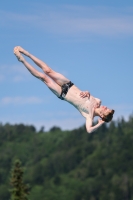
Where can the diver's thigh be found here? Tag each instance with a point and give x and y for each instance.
(54, 87)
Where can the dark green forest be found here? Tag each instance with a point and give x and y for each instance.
(74, 165)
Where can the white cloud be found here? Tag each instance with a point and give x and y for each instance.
(18, 78)
(76, 21)
(15, 17)
(14, 73)
(20, 100)
(64, 124)
(2, 77)
(64, 119)
(19, 69)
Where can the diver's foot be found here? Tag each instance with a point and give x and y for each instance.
(18, 55)
(23, 51)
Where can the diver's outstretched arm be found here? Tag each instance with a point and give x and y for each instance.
(91, 128)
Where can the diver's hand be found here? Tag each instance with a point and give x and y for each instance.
(100, 121)
(84, 94)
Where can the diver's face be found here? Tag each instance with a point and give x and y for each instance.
(104, 110)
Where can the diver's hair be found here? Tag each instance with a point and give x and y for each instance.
(108, 118)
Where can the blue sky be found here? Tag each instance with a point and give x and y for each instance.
(90, 42)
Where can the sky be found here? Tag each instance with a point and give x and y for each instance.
(90, 42)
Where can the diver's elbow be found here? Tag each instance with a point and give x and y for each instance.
(89, 131)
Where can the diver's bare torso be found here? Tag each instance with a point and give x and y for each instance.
(84, 105)
(61, 86)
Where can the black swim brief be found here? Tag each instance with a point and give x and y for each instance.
(65, 89)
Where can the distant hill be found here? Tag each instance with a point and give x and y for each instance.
(74, 165)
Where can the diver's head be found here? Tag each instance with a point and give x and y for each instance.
(105, 113)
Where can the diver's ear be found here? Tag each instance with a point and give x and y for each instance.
(101, 116)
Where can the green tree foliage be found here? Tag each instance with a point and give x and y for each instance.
(19, 190)
(73, 164)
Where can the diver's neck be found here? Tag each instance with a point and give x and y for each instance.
(97, 112)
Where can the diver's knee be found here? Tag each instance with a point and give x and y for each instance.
(49, 71)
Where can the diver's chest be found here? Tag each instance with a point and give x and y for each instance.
(88, 105)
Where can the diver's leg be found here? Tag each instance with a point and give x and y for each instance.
(52, 85)
(57, 77)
